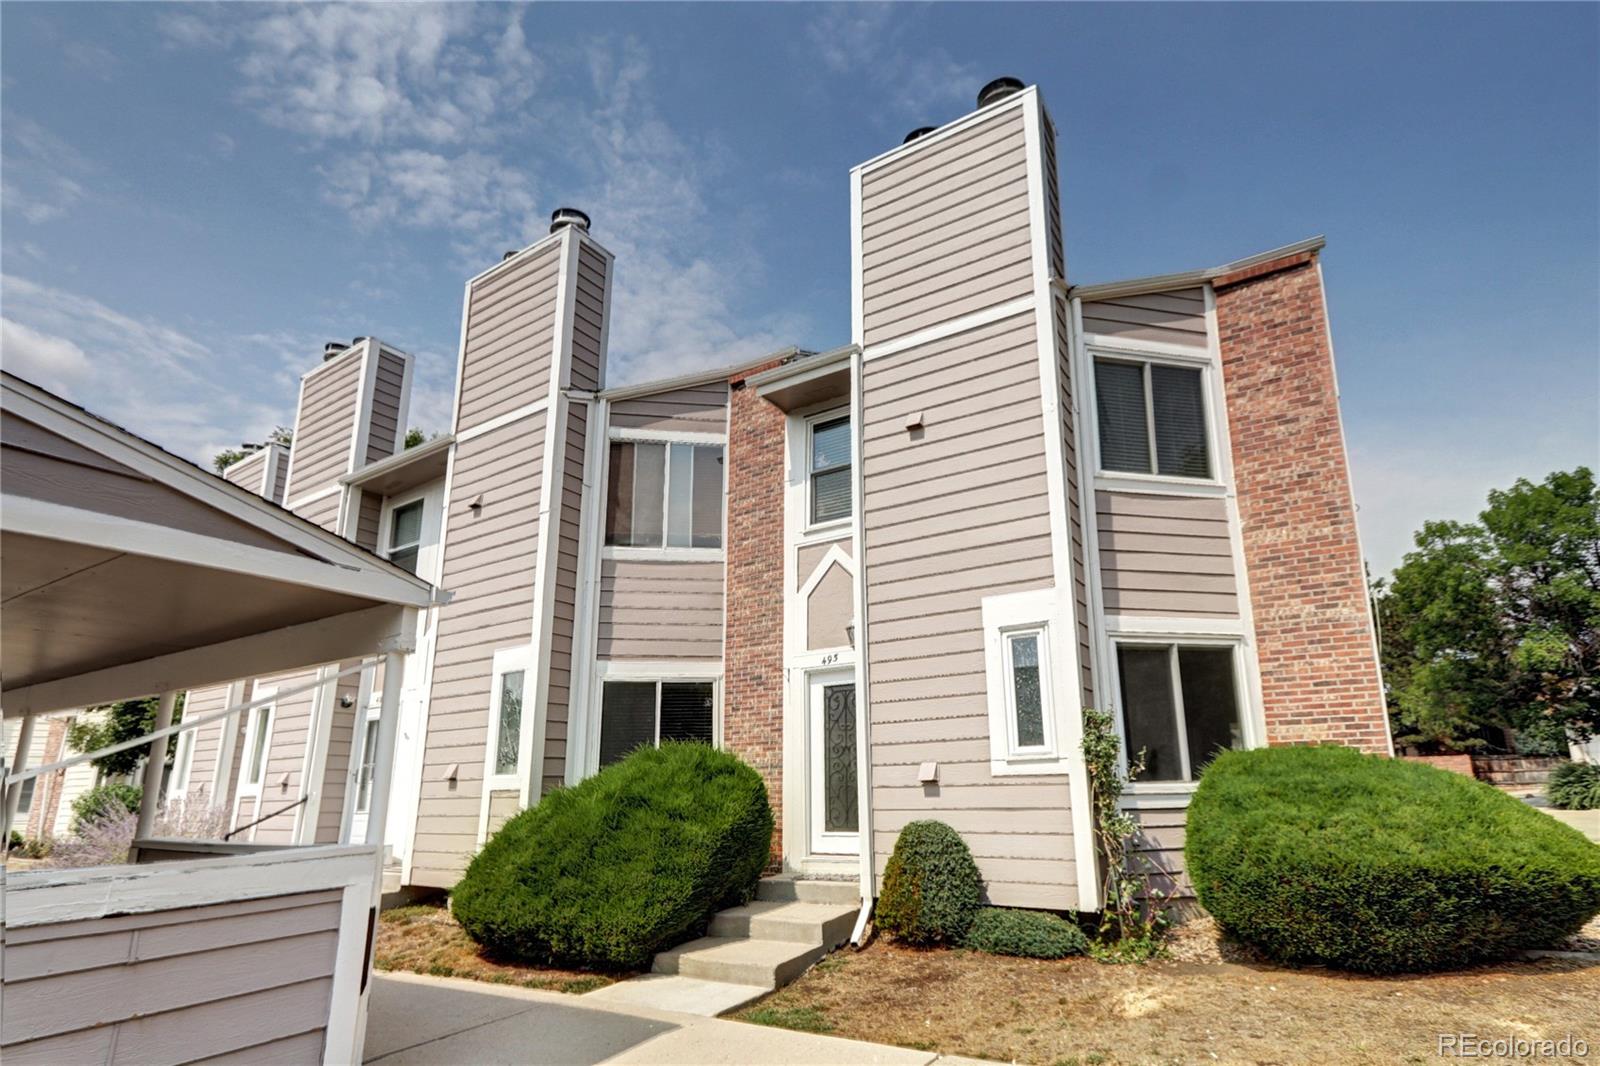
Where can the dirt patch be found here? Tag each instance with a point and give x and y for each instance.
(1193, 1007)
(427, 940)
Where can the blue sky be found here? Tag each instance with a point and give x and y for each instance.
(197, 196)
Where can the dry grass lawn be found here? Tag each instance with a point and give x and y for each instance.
(427, 940)
(1209, 1003)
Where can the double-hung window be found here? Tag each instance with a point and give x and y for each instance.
(405, 535)
(828, 469)
(664, 495)
(505, 755)
(1152, 418)
(635, 714)
(1180, 706)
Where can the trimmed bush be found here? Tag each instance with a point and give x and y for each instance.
(931, 888)
(1574, 786)
(106, 801)
(1030, 934)
(632, 861)
(1325, 855)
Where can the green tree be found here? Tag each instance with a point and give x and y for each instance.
(228, 456)
(1497, 622)
(119, 722)
(414, 437)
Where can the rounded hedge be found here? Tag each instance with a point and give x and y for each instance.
(1325, 855)
(1029, 934)
(931, 888)
(630, 862)
(1574, 786)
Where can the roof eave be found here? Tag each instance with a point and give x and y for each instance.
(1188, 279)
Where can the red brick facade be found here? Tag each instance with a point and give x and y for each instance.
(752, 700)
(1319, 671)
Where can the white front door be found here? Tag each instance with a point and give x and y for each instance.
(831, 748)
(367, 739)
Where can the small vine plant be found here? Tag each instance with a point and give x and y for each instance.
(1132, 916)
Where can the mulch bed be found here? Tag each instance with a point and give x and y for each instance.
(1207, 1001)
(427, 940)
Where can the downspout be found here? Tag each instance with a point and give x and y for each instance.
(863, 690)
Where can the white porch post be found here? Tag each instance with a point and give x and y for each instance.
(13, 795)
(394, 675)
(155, 764)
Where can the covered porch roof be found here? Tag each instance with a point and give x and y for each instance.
(126, 571)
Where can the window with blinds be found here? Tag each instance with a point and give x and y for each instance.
(1180, 706)
(661, 495)
(635, 714)
(830, 469)
(1152, 419)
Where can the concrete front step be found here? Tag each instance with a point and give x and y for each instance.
(789, 889)
(828, 924)
(739, 960)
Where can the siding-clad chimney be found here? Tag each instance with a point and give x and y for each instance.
(533, 350)
(957, 242)
(352, 412)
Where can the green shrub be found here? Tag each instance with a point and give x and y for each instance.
(1030, 934)
(931, 888)
(632, 861)
(95, 804)
(1325, 855)
(1574, 786)
(16, 841)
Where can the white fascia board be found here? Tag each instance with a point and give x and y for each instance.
(354, 635)
(702, 377)
(399, 460)
(1188, 279)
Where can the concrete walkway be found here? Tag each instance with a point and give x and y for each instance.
(441, 1021)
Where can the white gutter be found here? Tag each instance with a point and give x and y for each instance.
(1110, 290)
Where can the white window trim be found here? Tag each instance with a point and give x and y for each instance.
(667, 552)
(386, 526)
(1191, 633)
(270, 718)
(840, 525)
(507, 660)
(649, 670)
(1003, 617)
(1150, 354)
(182, 765)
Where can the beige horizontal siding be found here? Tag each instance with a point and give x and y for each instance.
(325, 425)
(368, 518)
(1156, 852)
(280, 784)
(945, 230)
(956, 514)
(1166, 555)
(280, 483)
(489, 564)
(1177, 317)
(700, 409)
(207, 739)
(660, 610)
(588, 321)
(344, 738)
(387, 434)
(566, 596)
(323, 511)
(1080, 582)
(250, 473)
(171, 986)
(510, 338)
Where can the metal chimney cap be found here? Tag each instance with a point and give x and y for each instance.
(562, 217)
(920, 131)
(511, 253)
(998, 90)
(332, 348)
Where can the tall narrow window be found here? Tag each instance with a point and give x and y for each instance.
(25, 796)
(1152, 419)
(369, 758)
(830, 470)
(664, 495)
(260, 727)
(1180, 706)
(1025, 652)
(182, 763)
(405, 535)
(636, 714)
(508, 732)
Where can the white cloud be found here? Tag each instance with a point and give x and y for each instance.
(43, 174)
(46, 360)
(869, 41)
(188, 396)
